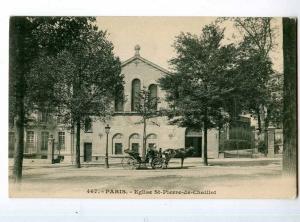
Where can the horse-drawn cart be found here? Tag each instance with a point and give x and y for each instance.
(134, 161)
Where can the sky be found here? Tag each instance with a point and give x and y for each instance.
(155, 35)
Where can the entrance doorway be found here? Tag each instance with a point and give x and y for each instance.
(194, 139)
(87, 157)
(195, 142)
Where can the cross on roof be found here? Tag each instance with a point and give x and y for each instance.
(137, 50)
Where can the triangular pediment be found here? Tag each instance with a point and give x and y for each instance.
(138, 58)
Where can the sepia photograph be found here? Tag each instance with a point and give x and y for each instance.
(162, 107)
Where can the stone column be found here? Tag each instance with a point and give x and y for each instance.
(49, 154)
(271, 141)
(256, 140)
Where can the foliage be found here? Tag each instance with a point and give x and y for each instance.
(22, 51)
(79, 82)
(55, 34)
(253, 81)
(201, 78)
(78, 85)
(275, 100)
(38, 37)
(213, 83)
(56, 65)
(201, 83)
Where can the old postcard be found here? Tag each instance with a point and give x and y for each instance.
(153, 107)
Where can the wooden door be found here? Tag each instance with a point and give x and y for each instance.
(87, 152)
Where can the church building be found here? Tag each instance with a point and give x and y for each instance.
(125, 132)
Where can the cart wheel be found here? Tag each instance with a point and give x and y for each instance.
(157, 163)
(129, 163)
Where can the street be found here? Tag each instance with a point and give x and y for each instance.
(223, 178)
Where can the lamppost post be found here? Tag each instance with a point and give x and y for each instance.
(107, 129)
(72, 144)
(52, 148)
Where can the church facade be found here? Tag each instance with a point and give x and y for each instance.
(125, 132)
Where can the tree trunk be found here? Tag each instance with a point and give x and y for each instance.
(258, 120)
(78, 144)
(290, 97)
(72, 142)
(205, 138)
(144, 139)
(220, 140)
(18, 158)
(266, 126)
(17, 70)
(20, 122)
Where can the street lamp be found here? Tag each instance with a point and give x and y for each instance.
(107, 129)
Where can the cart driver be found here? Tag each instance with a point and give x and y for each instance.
(151, 154)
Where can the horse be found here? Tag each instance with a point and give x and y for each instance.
(181, 153)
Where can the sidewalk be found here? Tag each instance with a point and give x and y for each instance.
(188, 162)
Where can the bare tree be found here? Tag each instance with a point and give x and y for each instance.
(147, 109)
(258, 39)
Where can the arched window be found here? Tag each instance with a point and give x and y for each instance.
(117, 143)
(88, 125)
(152, 136)
(134, 142)
(135, 90)
(153, 95)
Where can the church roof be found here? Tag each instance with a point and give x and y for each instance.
(138, 57)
